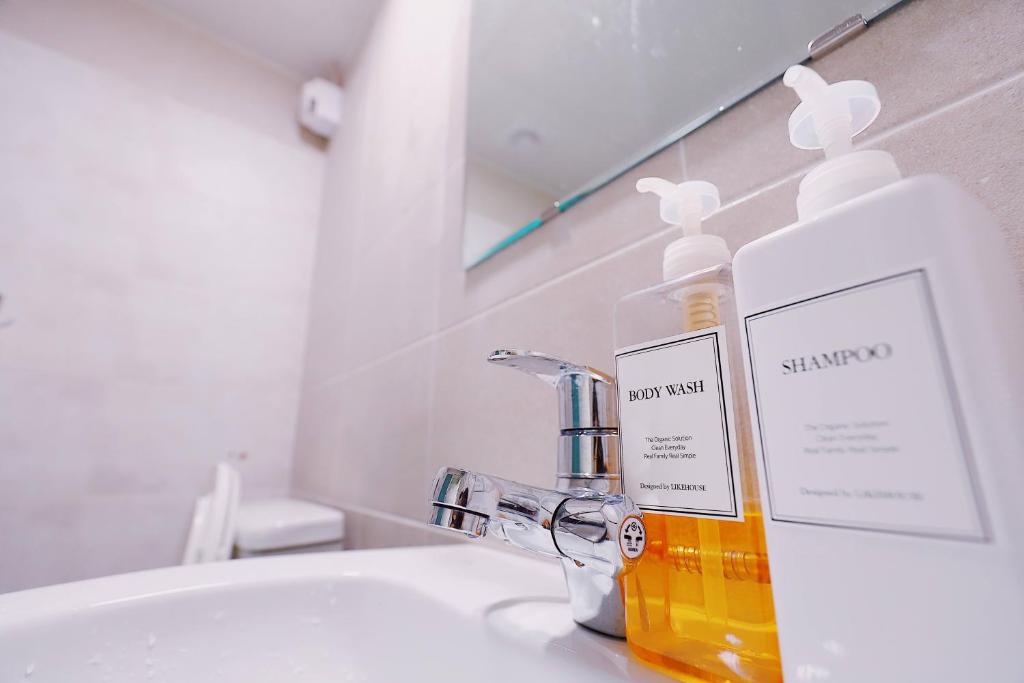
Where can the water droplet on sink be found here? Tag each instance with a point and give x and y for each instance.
(151, 640)
(96, 659)
(30, 669)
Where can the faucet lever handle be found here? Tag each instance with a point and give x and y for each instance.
(546, 368)
(586, 396)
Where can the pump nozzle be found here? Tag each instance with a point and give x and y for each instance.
(685, 204)
(829, 115)
(827, 118)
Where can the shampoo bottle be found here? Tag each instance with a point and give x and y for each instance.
(698, 594)
(883, 339)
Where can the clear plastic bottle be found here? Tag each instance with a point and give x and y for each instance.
(699, 598)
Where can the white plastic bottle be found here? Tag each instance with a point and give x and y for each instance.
(883, 335)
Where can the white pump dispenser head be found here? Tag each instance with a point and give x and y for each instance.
(686, 205)
(827, 118)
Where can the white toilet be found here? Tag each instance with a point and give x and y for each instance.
(281, 526)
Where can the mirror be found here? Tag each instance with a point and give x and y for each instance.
(565, 96)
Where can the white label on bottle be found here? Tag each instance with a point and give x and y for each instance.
(858, 420)
(677, 426)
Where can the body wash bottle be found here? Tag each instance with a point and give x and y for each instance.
(883, 339)
(698, 594)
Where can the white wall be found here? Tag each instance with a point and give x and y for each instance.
(145, 46)
(156, 245)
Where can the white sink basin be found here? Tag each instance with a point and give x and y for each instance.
(443, 613)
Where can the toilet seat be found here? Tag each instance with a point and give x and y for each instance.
(279, 524)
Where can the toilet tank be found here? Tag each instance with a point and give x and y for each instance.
(285, 525)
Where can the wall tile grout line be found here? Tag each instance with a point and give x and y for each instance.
(604, 258)
(408, 522)
(943, 109)
(660, 234)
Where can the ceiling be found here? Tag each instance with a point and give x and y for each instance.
(306, 37)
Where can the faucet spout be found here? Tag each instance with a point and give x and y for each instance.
(578, 526)
(480, 505)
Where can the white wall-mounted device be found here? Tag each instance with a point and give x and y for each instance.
(321, 106)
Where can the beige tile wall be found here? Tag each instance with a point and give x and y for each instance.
(396, 383)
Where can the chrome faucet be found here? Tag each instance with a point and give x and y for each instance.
(580, 519)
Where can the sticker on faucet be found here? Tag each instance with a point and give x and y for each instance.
(632, 537)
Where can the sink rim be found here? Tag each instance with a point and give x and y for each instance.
(432, 564)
